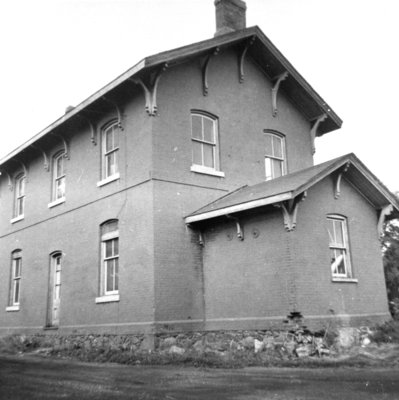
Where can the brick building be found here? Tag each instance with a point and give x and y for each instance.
(183, 196)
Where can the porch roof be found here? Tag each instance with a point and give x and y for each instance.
(290, 186)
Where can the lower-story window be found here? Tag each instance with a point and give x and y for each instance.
(109, 285)
(15, 285)
(339, 247)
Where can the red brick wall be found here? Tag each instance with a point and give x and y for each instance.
(248, 282)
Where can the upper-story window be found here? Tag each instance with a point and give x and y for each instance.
(110, 151)
(339, 247)
(205, 144)
(19, 197)
(275, 163)
(59, 177)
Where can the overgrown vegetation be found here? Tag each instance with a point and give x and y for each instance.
(386, 333)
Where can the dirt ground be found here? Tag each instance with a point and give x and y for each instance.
(29, 377)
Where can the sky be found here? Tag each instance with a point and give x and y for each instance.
(57, 53)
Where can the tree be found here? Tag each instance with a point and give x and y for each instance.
(390, 249)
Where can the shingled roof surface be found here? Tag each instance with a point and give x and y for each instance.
(289, 186)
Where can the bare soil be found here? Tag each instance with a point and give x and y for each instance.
(33, 377)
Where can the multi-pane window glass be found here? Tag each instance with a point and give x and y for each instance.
(204, 135)
(274, 156)
(110, 145)
(339, 248)
(16, 278)
(59, 177)
(57, 276)
(19, 196)
(110, 255)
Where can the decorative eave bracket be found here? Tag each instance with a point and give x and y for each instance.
(118, 111)
(64, 142)
(240, 232)
(23, 168)
(150, 91)
(205, 67)
(275, 88)
(337, 193)
(383, 214)
(92, 129)
(8, 177)
(290, 211)
(45, 158)
(313, 130)
(242, 59)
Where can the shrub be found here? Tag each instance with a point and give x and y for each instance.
(386, 333)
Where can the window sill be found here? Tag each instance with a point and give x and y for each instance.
(108, 180)
(16, 219)
(207, 171)
(12, 308)
(110, 298)
(56, 202)
(348, 280)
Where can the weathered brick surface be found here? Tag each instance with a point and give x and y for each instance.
(165, 284)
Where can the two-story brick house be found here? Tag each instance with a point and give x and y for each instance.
(183, 196)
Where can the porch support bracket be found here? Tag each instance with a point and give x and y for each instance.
(313, 130)
(383, 214)
(205, 68)
(242, 58)
(45, 158)
(150, 91)
(275, 88)
(289, 209)
(201, 239)
(338, 180)
(240, 232)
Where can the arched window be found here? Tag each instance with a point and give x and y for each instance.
(339, 247)
(205, 143)
(275, 164)
(110, 150)
(19, 197)
(53, 314)
(59, 177)
(15, 284)
(109, 261)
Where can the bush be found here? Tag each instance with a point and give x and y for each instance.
(386, 333)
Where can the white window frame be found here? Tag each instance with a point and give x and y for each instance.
(214, 144)
(271, 156)
(336, 247)
(15, 282)
(19, 198)
(108, 295)
(107, 154)
(57, 177)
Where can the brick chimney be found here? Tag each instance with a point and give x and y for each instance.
(230, 16)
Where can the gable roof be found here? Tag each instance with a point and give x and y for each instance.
(262, 51)
(290, 186)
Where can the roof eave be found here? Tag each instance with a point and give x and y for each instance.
(333, 121)
(238, 208)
